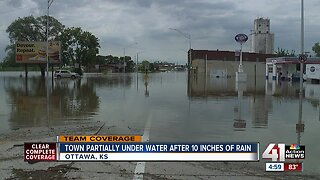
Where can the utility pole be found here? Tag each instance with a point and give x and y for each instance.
(187, 36)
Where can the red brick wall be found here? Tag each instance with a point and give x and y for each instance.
(229, 55)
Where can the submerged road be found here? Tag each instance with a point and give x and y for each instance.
(12, 165)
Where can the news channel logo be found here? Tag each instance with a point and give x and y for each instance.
(280, 152)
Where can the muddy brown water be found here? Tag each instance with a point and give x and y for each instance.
(180, 108)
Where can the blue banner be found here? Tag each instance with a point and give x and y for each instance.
(159, 147)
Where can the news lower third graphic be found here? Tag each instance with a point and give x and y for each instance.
(280, 155)
(280, 167)
(158, 152)
(40, 151)
(131, 148)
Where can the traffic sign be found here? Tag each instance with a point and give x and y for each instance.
(303, 58)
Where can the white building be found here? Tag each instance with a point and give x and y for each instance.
(286, 67)
(261, 39)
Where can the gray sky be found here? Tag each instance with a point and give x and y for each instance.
(211, 23)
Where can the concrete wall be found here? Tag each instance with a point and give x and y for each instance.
(229, 67)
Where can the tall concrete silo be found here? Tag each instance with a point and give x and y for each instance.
(262, 40)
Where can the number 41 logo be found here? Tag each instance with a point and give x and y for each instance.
(275, 152)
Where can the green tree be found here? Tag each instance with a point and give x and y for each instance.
(151, 67)
(112, 59)
(285, 53)
(129, 63)
(144, 66)
(31, 29)
(316, 49)
(9, 60)
(101, 60)
(79, 47)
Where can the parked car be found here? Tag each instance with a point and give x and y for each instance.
(65, 74)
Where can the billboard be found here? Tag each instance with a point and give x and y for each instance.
(35, 52)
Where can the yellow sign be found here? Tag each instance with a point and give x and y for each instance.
(35, 52)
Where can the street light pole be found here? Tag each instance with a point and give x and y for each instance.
(187, 36)
(124, 60)
(302, 46)
(124, 56)
(47, 60)
(137, 69)
(190, 53)
(47, 29)
(300, 125)
(137, 62)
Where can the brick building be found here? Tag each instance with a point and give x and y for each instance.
(225, 63)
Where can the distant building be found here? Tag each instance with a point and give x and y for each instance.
(163, 66)
(262, 40)
(286, 67)
(226, 63)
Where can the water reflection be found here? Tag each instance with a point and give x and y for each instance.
(74, 98)
(300, 124)
(265, 111)
(256, 103)
(69, 99)
(239, 122)
(254, 99)
(284, 89)
(109, 81)
(26, 106)
(146, 83)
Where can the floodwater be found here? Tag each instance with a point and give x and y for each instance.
(172, 106)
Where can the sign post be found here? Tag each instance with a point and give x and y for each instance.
(240, 75)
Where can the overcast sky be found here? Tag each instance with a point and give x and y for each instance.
(212, 24)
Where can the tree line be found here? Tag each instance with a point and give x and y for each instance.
(77, 46)
(286, 53)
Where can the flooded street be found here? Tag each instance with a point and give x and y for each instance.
(169, 107)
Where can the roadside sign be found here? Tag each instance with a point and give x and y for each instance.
(302, 58)
(241, 38)
(36, 52)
